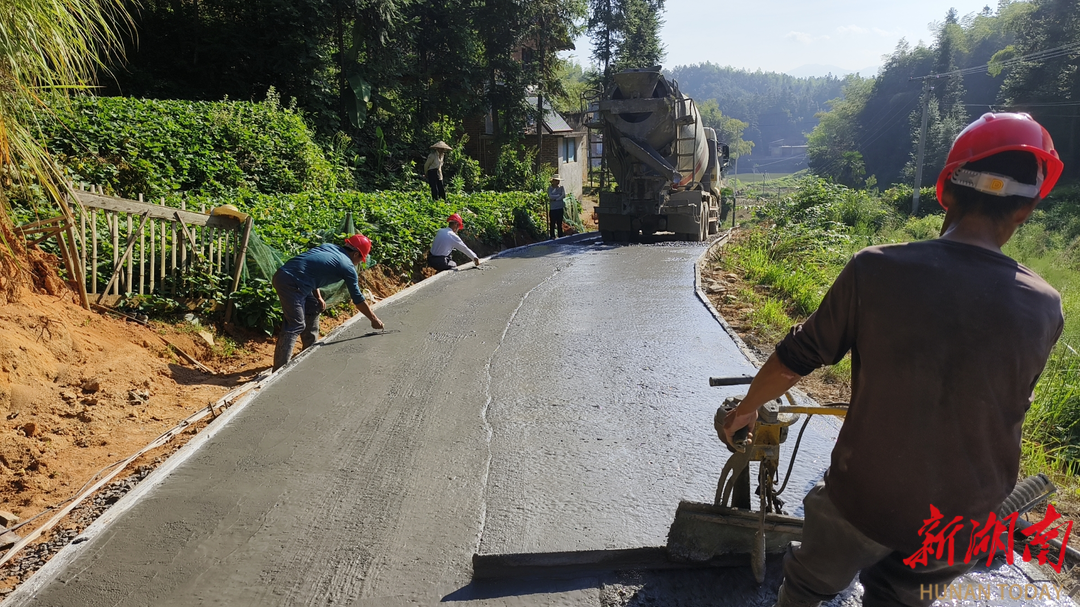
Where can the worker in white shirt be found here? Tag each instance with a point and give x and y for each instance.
(446, 240)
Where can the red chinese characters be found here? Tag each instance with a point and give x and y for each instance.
(989, 537)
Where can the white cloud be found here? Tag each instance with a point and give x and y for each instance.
(887, 34)
(852, 29)
(804, 38)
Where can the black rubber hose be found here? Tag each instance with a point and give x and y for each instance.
(1026, 495)
(794, 452)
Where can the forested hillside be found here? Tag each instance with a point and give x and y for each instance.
(773, 106)
(1021, 57)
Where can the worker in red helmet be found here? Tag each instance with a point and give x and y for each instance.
(446, 240)
(947, 339)
(298, 282)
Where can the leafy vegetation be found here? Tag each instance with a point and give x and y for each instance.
(377, 73)
(157, 148)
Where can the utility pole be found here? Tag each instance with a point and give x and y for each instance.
(922, 147)
(540, 101)
(922, 136)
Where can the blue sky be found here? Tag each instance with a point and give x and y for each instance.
(781, 35)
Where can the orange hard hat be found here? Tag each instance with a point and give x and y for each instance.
(995, 133)
(360, 243)
(455, 218)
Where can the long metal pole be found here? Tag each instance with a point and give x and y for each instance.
(734, 192)
(922, 148)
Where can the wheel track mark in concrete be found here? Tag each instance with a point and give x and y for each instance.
(488, 400)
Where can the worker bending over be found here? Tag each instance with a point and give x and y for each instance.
(298, 282)
(947, 339)
(446, 240)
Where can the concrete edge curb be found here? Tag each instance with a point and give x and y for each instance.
(65, 555)
(709, 252)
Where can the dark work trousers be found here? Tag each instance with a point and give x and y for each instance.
(555, 217)
(438, 192)
(301, 310)
(441, 263)
(833, 552)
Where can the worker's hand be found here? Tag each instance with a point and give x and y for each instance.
(322, 305)
(476, 260)
(376, 323)
(734, 422)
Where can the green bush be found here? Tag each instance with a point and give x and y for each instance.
(401, 225)
(141, 146)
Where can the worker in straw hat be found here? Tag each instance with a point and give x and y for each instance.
(433, 170)
(947, 339)
(556, 202)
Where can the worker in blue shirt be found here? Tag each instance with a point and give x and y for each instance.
(298, 282)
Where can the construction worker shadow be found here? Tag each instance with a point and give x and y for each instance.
(553, 573)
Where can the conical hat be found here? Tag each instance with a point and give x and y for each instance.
(441, 146)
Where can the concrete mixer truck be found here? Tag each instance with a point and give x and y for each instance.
(666, 164)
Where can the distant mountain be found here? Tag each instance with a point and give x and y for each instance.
(774, 106)
(818, 70)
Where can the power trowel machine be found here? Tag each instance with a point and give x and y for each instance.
(704, 532)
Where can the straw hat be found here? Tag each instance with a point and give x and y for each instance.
(556, 179)
(441, 146)
(230, 211)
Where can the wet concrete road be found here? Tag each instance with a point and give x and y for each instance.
(555, 400)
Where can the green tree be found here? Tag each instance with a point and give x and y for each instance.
(625, 34)
(640, 44)
(833, 142)
(1048, 88)
(946, 114)
(728, 130)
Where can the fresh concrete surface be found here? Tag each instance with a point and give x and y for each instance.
(555, 399)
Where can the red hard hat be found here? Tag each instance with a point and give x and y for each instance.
(995, 133)
(360, 243)
(455, 218)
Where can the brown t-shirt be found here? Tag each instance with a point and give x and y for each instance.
(947, 341)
